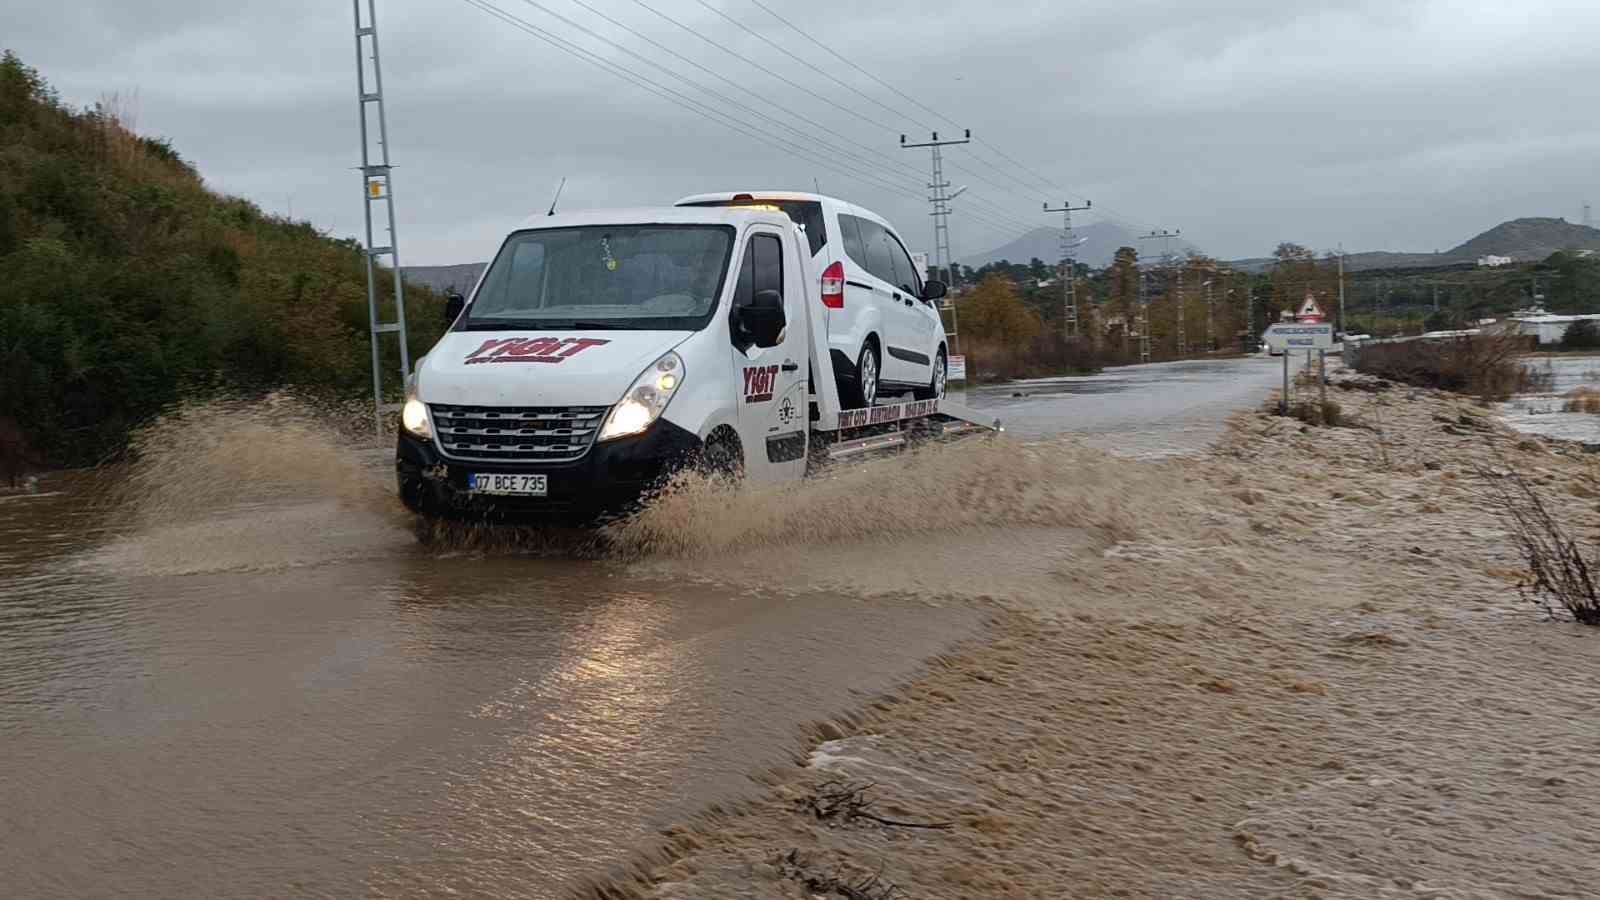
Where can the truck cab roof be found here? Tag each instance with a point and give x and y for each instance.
(658, 215)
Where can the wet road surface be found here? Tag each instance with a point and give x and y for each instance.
(292, 697)
(1157, 409)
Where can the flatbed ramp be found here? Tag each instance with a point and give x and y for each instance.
(893, 426)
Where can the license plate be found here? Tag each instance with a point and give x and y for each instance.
(509, 485)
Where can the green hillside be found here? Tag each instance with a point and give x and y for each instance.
(125, 283)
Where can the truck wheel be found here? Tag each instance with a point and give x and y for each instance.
(722, 456)
(935, 388)
(863, 391)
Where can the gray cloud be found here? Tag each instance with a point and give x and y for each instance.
(1403, 124)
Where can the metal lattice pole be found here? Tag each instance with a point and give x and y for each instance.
(939, 197)
(377, 184)
(1144, 320)
(1069, 291)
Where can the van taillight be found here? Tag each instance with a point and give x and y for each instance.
(833, 286)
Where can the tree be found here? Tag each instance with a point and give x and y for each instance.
(1122, 291)
(993, 313)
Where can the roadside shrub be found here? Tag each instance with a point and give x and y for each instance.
(1486, 366)
(1318, 413)
(1583, 334)
(1561, 572)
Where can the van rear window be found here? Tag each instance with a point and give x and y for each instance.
(805, 213)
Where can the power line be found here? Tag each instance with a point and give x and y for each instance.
(994, 208)
(1046, 181)
(683, 78)
(835, 54)
(706, 110)
(696, 105)
(677, 97)
(824, 72)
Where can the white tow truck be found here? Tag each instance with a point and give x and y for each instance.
(602, 351)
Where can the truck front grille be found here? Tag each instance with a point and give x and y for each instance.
(516, 433)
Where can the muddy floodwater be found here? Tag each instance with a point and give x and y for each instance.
(1544, 412)
(238, 672)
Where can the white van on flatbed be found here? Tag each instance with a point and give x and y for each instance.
(885, 334)
(602, 351)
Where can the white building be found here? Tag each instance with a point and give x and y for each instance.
(1548, 328)
(1492, 261)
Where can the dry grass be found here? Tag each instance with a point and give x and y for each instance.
(1561, 572)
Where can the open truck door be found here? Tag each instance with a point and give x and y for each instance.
(770, 337)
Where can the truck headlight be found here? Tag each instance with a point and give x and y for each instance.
(645, 399)
(414, 418)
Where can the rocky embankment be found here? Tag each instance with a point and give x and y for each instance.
(1300, 667)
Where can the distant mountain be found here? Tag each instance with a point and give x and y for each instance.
(461, 277)
(1101, 241)
(1524, 240)
(1529, 239)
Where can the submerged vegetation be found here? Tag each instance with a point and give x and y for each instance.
(125, 283)
(1490, 367)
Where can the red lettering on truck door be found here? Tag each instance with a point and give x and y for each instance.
(535, 350)
(758, 383)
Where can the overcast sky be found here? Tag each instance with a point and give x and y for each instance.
(1390, 124)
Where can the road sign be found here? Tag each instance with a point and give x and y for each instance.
(1310, 311)
(1299, 336)
(957, 370)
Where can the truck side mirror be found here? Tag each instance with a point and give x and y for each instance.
(933, 290)
(763, 318)
(454, 303)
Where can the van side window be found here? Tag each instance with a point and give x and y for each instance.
(878, 261)
(761, 270)
(910, 280)
(853, 247)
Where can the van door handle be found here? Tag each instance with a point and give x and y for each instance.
(790, 365)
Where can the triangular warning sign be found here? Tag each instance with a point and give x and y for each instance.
(1310, 311)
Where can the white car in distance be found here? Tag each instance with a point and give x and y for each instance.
(885, 334)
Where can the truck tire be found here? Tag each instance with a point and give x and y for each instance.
(936, 380)
(863, 390)
(722, 456)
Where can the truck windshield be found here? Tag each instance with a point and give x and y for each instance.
(665, 277)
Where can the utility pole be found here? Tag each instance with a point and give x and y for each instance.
(377, 184)
(1166, 237)
(1343, 329)
(1069, 296)
(940, 200)
(1144, 320)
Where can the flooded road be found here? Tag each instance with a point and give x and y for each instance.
(1158, 409)
(1544, 412)
(263, 685)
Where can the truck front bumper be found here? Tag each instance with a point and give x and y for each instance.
(608, 481)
